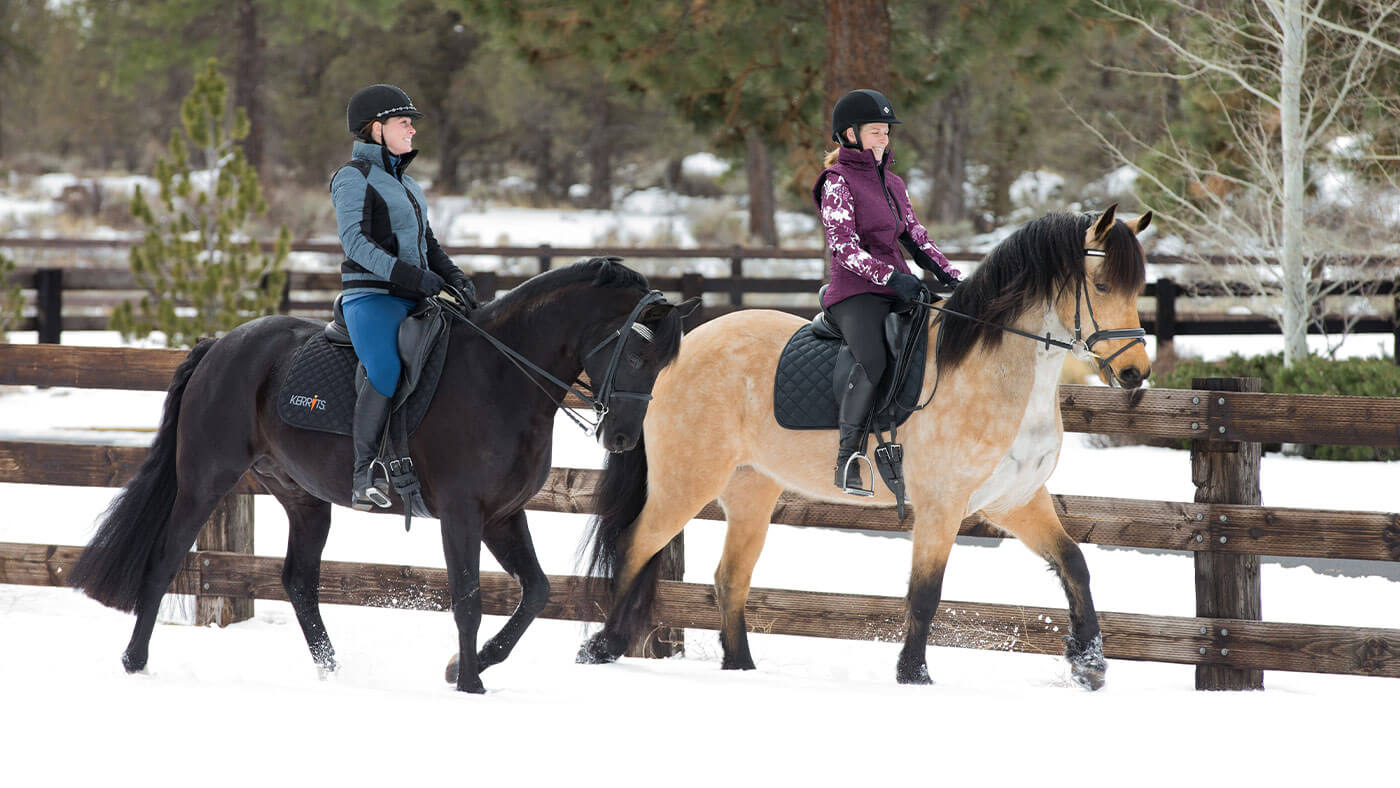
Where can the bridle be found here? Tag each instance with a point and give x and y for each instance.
(599, 395)
(1081, 346)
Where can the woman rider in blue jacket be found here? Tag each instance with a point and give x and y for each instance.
(391, 262)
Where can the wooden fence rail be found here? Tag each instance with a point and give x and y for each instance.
(94, 291)
(1230, 651)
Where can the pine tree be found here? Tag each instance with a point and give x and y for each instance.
(204, 274)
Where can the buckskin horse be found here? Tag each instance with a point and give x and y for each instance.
(482, 448)
(987, 442)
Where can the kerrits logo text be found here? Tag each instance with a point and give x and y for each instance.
(313, 402)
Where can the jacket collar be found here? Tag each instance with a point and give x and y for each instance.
(862, 159)
(379, 156)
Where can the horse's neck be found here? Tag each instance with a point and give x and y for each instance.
(545, 332)
(1031, 371)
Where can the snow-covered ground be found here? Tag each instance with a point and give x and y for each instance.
(230, 706)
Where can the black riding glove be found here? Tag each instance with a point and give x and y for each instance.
(418, 280)
(464, 286)
(906, 287)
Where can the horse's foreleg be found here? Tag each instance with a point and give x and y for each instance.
(748, 505)
(933, 541)
(509, 541)
(1038, 527)
(310, 523)
(461, 547)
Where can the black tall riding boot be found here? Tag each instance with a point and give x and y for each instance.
(367, 427)
(856, 399)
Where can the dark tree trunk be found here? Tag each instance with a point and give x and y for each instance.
(857, 48)
(763, 224)
(449, 152)
(598, 150)
(248, 76)
(948, 166)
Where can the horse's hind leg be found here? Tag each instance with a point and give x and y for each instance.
(309, 523)
(1038, 527)
(669, 506)
(187, 517)
(748, 505)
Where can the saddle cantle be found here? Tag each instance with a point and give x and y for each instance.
(803, 395)
(319, 392)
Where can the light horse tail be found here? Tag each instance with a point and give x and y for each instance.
(113, 567)
(621, 496)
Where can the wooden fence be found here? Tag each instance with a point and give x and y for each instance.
(80, 299)
(1226, 529)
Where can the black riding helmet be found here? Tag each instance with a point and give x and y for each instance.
(378, 102)
(855, 108)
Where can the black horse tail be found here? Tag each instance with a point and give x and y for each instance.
(112, 569)
(622, 493)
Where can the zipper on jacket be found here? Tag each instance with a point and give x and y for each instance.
(889, 199)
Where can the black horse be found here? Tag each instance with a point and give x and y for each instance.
(482, 449)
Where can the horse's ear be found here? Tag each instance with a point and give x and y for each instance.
(687, 307)
(1105, 221)
(1139, 224)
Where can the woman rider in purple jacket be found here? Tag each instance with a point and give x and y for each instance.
(866, 213)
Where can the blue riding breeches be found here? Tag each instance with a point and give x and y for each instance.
(373, 320)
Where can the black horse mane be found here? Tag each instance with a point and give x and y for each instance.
(595, 272)
(1032, 266)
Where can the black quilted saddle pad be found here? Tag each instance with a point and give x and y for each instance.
(320, 390)
(804, 397)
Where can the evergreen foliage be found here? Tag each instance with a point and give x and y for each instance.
(204, 274)
(11, 299)
(1368, 377)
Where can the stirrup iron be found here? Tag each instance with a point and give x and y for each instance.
(856, 457)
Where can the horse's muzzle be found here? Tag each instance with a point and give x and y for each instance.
(1130, 377)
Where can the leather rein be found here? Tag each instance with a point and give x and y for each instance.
(1081, 346)
(599, 396)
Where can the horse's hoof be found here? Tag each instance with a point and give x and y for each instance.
(737, 664)
(133, 664)
(451, 673)
(1087, 664)
(595, 651)
(917, 676)
(473, 687)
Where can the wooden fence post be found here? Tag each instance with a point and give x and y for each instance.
(736, 273)
(228, 529)
(487, 283)
(1227, 584)
(1166, 313)
(692, 285)
(48, 304)
(1395, 326)
(665, 642)
(546, 259)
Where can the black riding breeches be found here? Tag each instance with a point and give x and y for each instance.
(861, 319)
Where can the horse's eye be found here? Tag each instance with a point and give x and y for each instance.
(1102, 288)
(634, 360)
